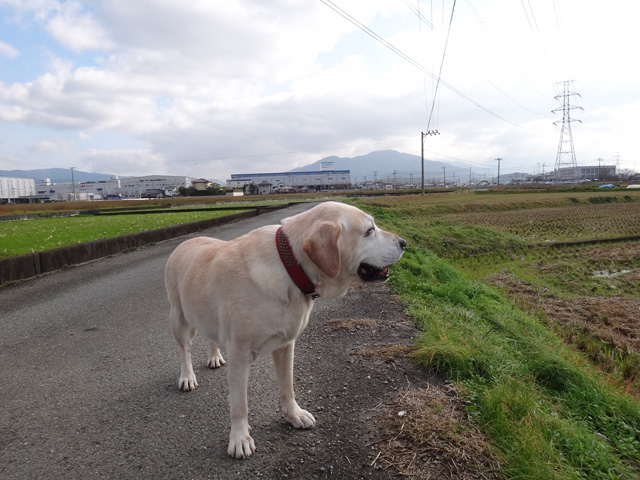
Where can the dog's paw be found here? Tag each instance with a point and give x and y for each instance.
(216, 361)
(300, 418)
(187, 383)
(241, 444)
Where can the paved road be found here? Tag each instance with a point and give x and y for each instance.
(89, 371)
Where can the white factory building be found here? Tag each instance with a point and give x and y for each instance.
(80, 191)
(584, 172)
(114, 188)
(16, 189)
(136, 187)
(318, 179)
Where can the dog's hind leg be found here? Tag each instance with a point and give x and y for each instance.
(296, 416)
(215, 357)
(184, 334)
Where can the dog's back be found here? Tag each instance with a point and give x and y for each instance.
(188, 260)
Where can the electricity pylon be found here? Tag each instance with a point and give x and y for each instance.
(566, 156)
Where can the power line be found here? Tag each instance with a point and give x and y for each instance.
(416, 10)
(513, 100)
(444, 52)
(533, 15)
(474, 11)
(527, 14)
(410, 60)
(424, 76)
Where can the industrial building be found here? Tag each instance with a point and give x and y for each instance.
(69, 192)
(585, 172)
(136, 187)
(114, 188)
(16, 189)
(319, 180)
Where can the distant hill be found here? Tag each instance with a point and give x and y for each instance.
(375, 165)
(383, 164)
(56, 175)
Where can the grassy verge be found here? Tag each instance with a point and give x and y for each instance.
(26, 236)
(549, 412)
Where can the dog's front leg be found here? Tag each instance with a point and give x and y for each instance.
(296, 416)
(241, 444)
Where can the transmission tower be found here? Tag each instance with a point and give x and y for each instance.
(566, 156)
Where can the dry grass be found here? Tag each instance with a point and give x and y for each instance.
(351, 325)
(385, 353)
(425, 431)
(427, 435)
(606, 329)
(614, 319)
(542, 225)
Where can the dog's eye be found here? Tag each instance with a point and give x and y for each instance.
(370, 231)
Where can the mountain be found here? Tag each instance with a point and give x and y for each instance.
(383, 164)
(56, 175)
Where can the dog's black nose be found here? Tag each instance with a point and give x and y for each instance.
(403, 243)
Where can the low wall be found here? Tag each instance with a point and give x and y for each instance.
(31, 264)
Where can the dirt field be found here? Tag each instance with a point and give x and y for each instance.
(605, 327)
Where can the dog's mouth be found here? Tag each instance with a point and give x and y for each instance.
(371, 273)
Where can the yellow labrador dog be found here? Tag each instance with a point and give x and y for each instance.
(253, 296)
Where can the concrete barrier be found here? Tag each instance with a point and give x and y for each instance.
(29, 265)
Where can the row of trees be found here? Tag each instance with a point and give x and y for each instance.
(213, 189)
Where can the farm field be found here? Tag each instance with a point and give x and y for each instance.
(541, 341)
(117, 218)
(26, 236)
(173, 202)
(539, 226)
(591, 293)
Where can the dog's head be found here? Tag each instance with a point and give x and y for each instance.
(342, 243)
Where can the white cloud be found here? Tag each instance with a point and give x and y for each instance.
(55, 145)
(77, 29)
(9, 161)
(8, 51)
(133, 162)
(221, 87)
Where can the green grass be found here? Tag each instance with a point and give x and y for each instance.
(26, 236)
(542, 406)
(547, 410)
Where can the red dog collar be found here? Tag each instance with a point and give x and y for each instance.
(293, 267)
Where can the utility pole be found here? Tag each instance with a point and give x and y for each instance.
(73, 183)
(544, 178)
(599, 169)
(566, 155)
(498, 160)
(444, 177)
(422, 135)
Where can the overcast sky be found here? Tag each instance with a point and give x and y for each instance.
(208, 88)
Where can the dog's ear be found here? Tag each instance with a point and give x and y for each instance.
(321, 246)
